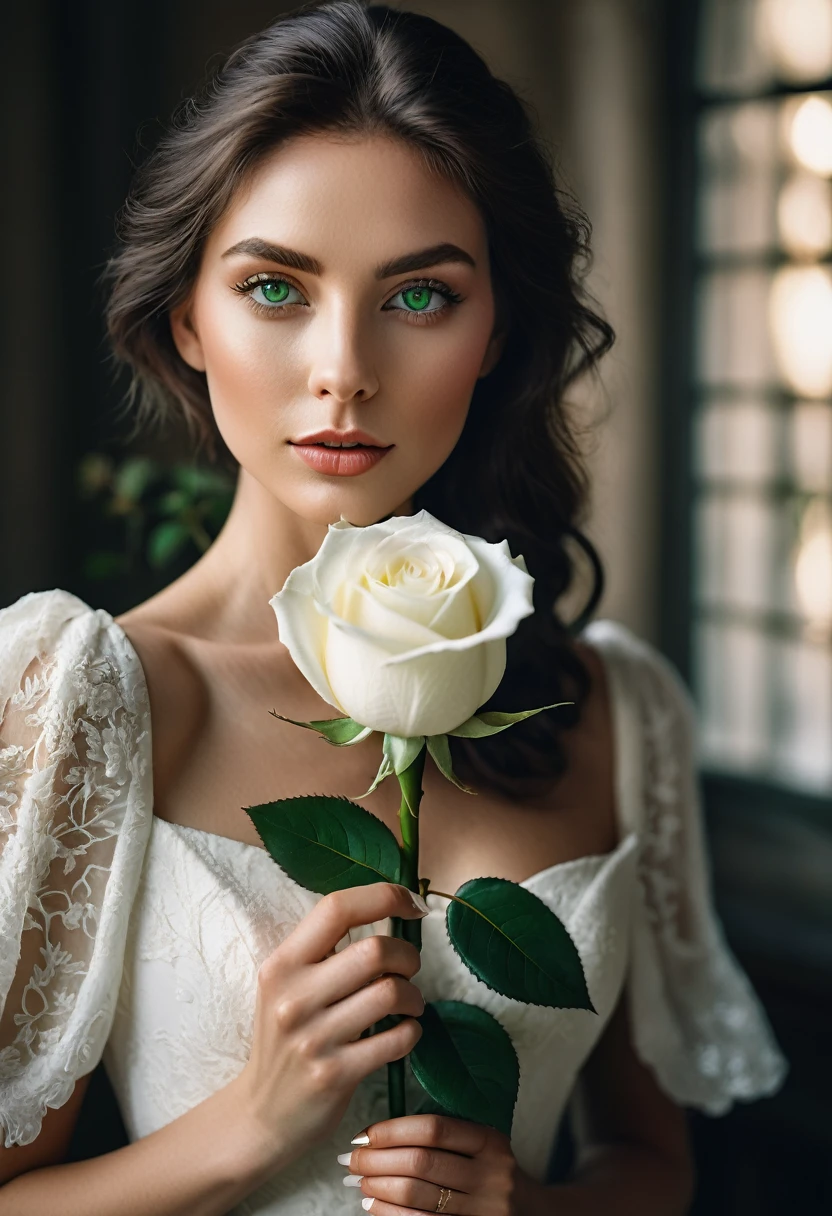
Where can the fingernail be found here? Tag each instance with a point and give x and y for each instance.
(344, 1158)
(368, 1202)
(419, 903)
(352, 1179)
(361, 1138)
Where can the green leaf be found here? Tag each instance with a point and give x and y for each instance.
(441, 752)
(173, 502)
(466, 1063)
(516, 945)
(165, 541)
(134, 476)
(195, 481)
(327, 843)
(105, 565)
(492, 722)
(339, 731)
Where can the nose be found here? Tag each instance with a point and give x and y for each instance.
(341, 364)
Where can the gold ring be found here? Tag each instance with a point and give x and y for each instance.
(444, 1198)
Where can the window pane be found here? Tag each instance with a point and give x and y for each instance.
(739, 441)
(810, 584)
(733, 328)
(804, 215)
(801, 326)
(737, 544)
(748, 44)
(739, 176)
(796, 37)
(803, 744)
(733, 688)
(810, 446)
(731, 54)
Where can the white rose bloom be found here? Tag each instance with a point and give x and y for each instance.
(401, 625)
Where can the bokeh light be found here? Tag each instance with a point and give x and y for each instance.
(804, 216)
(800, 314)
(810, 134)
(796, 35)
(813, 564)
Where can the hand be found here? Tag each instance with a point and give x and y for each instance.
(313, 1005)
(412, 1163)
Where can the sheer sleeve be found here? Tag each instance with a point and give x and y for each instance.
(696, 1018)
(75, 814)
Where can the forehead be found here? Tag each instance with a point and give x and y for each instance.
(352, 196)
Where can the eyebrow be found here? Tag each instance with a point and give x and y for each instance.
(420, 259)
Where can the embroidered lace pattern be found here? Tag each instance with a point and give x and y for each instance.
(74, 820)
(696, 1018)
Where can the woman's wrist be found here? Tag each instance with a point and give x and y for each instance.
(255, 1149)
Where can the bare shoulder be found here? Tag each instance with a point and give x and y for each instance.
(593, 739)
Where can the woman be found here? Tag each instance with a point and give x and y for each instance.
(353, 236)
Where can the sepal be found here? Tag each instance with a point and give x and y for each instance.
(398, 753)
(491, 722)
(341, 732)
(441, 752)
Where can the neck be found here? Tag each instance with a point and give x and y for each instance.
(260, 544)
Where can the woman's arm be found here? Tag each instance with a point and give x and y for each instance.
(308, 1054)
(634, 1153)
(201, 1164)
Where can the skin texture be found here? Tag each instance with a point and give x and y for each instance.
(347, 351)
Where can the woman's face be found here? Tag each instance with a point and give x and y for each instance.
(345, 288)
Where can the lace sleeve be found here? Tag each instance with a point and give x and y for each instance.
(696, 1018)
(75, 813)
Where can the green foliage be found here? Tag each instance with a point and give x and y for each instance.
(466, 1063)
(516, 945)
(327, 843)
(165, 542)
(164, 511)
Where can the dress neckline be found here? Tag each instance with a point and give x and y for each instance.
(626, 753)
(217, 839)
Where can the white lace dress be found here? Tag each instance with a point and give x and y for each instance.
(136, 940)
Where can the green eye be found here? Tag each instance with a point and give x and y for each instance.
(417, 298)
(275, 291)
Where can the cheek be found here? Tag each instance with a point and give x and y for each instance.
(248, 365)
(439, 387)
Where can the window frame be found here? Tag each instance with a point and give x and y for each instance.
(725, 793)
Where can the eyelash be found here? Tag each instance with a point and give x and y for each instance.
(452, 298)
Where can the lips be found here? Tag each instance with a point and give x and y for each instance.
(330, 435)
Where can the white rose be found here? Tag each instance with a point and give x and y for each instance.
(401, 625)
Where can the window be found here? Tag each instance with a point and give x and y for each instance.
(759, 448)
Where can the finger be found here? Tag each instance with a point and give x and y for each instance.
(391, 994)
(431, 1165)
(366, 1055)
(379, 1208)
(334, 915)
(433, 1131)
(411, 1195)
(361, 963)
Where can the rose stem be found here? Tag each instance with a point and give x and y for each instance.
(410, 782)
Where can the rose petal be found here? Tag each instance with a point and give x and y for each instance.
(500, 582)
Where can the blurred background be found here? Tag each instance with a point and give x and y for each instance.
(698, 138)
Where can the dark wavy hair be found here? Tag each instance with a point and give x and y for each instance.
(517, 471)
